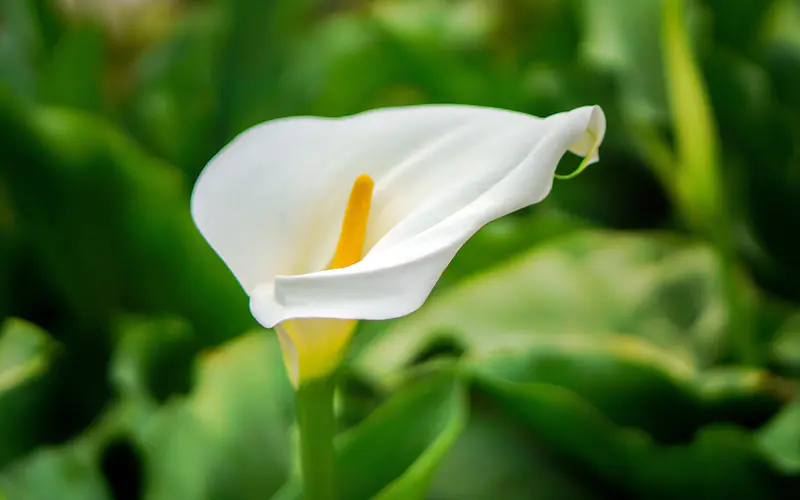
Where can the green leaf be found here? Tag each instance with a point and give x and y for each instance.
(739, 394)
(394, 453)
(497, 457)
(250, 90)
(561, 420)
(466, 23)
(26, 354)
(229, 438)
(501, 240)
(741, 93)
(10, 250)
(781, 18)
(622, 36)
(151, 356)
(785, 347)
(616, 318)
(698, 182)
(610, 374)
(67, 472)
(770, 141)
(590, 283)
(720, 460)
(111, 226)
(342, 45)
(780, 439)
(175, 104)
(494, 244)
(74, 71)
(737, 24)
(20, 47)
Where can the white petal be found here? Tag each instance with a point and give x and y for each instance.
(272, 201)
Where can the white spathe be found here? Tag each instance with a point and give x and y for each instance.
(271, 202)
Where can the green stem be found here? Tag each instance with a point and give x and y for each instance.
(315, 421)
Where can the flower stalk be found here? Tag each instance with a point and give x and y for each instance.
(316, 424)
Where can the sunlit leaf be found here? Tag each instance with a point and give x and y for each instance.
(780, 439)
(504, 239)
(698, 177)
(461, 24)
(585, 284)
(26, 354)
(785, 347)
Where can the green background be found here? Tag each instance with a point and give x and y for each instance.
(636, 335)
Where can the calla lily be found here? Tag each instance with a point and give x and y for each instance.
(327, 221)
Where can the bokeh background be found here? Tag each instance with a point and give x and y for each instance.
(636, 335)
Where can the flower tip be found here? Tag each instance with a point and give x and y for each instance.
(586, 159)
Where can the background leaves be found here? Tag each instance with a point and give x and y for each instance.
(631, 337)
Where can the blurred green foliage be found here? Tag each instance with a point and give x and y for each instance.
(637, 335)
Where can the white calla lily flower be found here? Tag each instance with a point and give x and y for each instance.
(415, 184)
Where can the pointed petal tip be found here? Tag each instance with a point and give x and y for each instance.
(588, 144)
